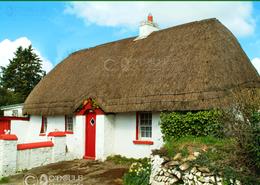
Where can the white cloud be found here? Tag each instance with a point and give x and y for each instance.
(8, 47)
(237, 16)
(256, 63)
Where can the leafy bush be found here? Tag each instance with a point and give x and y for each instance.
(139, 173)
(242, 122)
(254, 146)
(201, 123)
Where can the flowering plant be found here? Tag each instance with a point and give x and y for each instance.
(139, 173)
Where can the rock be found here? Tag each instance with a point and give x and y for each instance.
(178, 174)
(177, 157)
(172, 163)
(190, 177)
(191, 158)
(166, 159)
(198, 174)
(167, 174)
(164, 170)
(237, 182)
(193, 170)
(174, 180)
(184, 166)
(207, 179)
(212, 179)
(196, 154)
(207, 174)
(201, 179)
(204, 169)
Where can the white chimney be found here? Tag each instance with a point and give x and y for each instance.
(147, 27)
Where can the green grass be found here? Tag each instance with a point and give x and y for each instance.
(188, 144)
(118, 159)
(4, 180)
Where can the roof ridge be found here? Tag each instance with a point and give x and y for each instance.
(159, 31)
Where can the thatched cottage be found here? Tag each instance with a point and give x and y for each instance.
(107, 99)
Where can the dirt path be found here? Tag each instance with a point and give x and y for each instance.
(80, 172)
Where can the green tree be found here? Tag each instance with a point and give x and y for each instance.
(22, 74)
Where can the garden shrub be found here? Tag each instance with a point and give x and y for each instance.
(201, 123)
(253, 146)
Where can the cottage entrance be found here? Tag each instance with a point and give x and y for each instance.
(90, 141)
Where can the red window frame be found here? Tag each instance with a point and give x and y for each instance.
(137, 133)
(44, 125)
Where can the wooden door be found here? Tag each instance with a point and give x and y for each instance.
(90, 146)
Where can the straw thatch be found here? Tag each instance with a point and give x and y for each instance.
(187, 67)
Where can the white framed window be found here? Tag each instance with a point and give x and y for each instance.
(69, 123)
(145, 124)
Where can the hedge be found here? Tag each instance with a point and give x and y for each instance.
(200, 123)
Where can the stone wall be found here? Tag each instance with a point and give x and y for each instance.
(165, 171)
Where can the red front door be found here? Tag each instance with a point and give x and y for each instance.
(4, 125)
(90, 146)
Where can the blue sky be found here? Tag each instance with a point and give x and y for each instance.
(55, 29)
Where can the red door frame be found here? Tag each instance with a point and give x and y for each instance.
(90, 131)
(90, 136)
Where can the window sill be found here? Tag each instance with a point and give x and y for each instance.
(69, 132)
(140, 142)
(42, 134)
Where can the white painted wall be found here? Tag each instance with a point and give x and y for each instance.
(115, 134)
(33, 132)
(76, 142)
(109, 136)
(7, 157)
(21, 129)
(125, 132)
(104, 136)
(30, 158)
(59, 149)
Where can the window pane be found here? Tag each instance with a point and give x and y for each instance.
(69, 123)
(145, 124)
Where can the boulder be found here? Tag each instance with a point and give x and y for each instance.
(204, 169)
(177, 157)
(172, 163)
(196, 154)
(184, 166)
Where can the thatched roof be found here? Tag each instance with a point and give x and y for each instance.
(188, 67)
